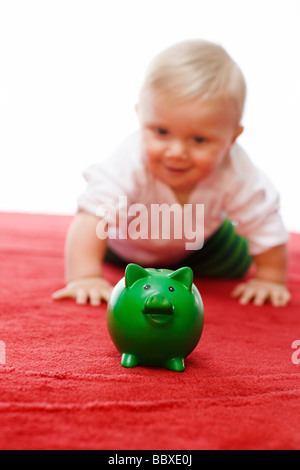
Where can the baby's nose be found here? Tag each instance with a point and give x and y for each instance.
(176, 148)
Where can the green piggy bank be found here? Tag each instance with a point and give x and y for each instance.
(155, 317)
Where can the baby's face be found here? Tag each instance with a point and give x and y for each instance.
(183, 143)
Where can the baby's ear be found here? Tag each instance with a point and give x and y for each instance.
(239, 131)
(184, 276)
(133, 273)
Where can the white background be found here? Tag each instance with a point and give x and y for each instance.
(70, 72)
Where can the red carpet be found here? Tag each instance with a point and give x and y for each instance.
(62, 386)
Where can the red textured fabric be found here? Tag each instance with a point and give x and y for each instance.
(62, 385)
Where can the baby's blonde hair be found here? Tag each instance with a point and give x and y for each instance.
(196, 69)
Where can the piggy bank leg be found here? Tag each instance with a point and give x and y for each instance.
(176, 364)
(129, 360)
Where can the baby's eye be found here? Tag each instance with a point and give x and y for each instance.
(199, 139)
(161, 131)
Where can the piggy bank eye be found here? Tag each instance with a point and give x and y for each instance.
(147, 286)
(171, 289)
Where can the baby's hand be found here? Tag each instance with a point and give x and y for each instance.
(260, 291)
(92, 289)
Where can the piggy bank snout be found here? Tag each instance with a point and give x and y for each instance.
(157, 304)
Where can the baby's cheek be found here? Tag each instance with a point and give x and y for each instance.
(154, 150)
(209, 160)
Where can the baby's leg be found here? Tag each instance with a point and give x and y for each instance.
(224, 255)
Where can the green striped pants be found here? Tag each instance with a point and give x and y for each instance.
(224, 255)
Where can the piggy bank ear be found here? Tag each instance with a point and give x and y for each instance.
(184, 276)
(134, 272)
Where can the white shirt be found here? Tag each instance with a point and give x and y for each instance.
(237, 190)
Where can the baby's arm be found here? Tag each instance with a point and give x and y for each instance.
(269, 282)
(84, 253)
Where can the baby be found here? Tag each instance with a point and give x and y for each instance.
(183, 157)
